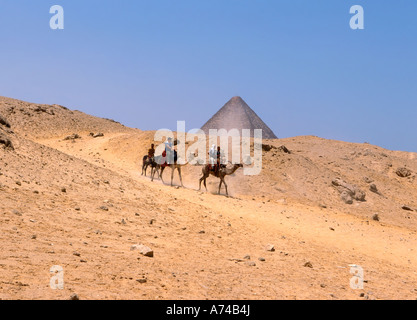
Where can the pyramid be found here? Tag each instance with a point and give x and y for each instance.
(236, 114)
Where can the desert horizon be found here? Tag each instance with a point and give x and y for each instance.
(77, 199)
(208, 158)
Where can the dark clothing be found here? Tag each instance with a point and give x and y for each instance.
(217, 167)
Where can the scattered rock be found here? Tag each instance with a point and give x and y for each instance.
(74, 297)
(143, 250)
(73, 137)
(348, 192)
(407, 208)
(284, 149)
(261, 259)
(403, 172)
(375, 217)
(98, 135)
(33, 237)
(308, 264)
(39, 109)
(141, 280)
(247, 257)
(368, 180)
(64, 190)
(270, 247)
(6, 142)
(4, 122)
(104, 208)
(346, 197)
(373, 188)
(250, 263)
(267, 147)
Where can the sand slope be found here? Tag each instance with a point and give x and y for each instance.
(82, 203)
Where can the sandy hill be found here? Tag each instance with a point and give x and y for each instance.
(42, 121)
(77, 200)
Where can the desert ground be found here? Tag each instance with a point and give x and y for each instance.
(75, 198)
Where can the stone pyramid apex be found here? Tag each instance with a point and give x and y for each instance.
(236, 114)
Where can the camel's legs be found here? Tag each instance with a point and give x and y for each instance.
(162, 171)
(225, 185)
(172, 174)
(179, 172)
(152, 174)
(145, 165)
(203, 178)
(199, 183)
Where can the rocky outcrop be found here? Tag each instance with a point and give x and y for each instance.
(6, 142)
(403, 172)
(348, 192)
(4, 122)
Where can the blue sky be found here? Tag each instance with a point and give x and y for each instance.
(148, 64)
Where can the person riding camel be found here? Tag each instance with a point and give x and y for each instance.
(219, 159)
(212, 156)
(169, 151)
(151, 152)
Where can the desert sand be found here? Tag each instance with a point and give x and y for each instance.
(68, 198)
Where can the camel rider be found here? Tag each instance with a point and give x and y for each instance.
(169, 149)
(151, 152)
(219, 160)
(212, 156)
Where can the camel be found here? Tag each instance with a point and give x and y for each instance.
(222, 172)
(161, 167)
(147, 161)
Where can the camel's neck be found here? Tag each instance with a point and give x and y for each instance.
(232, 170)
